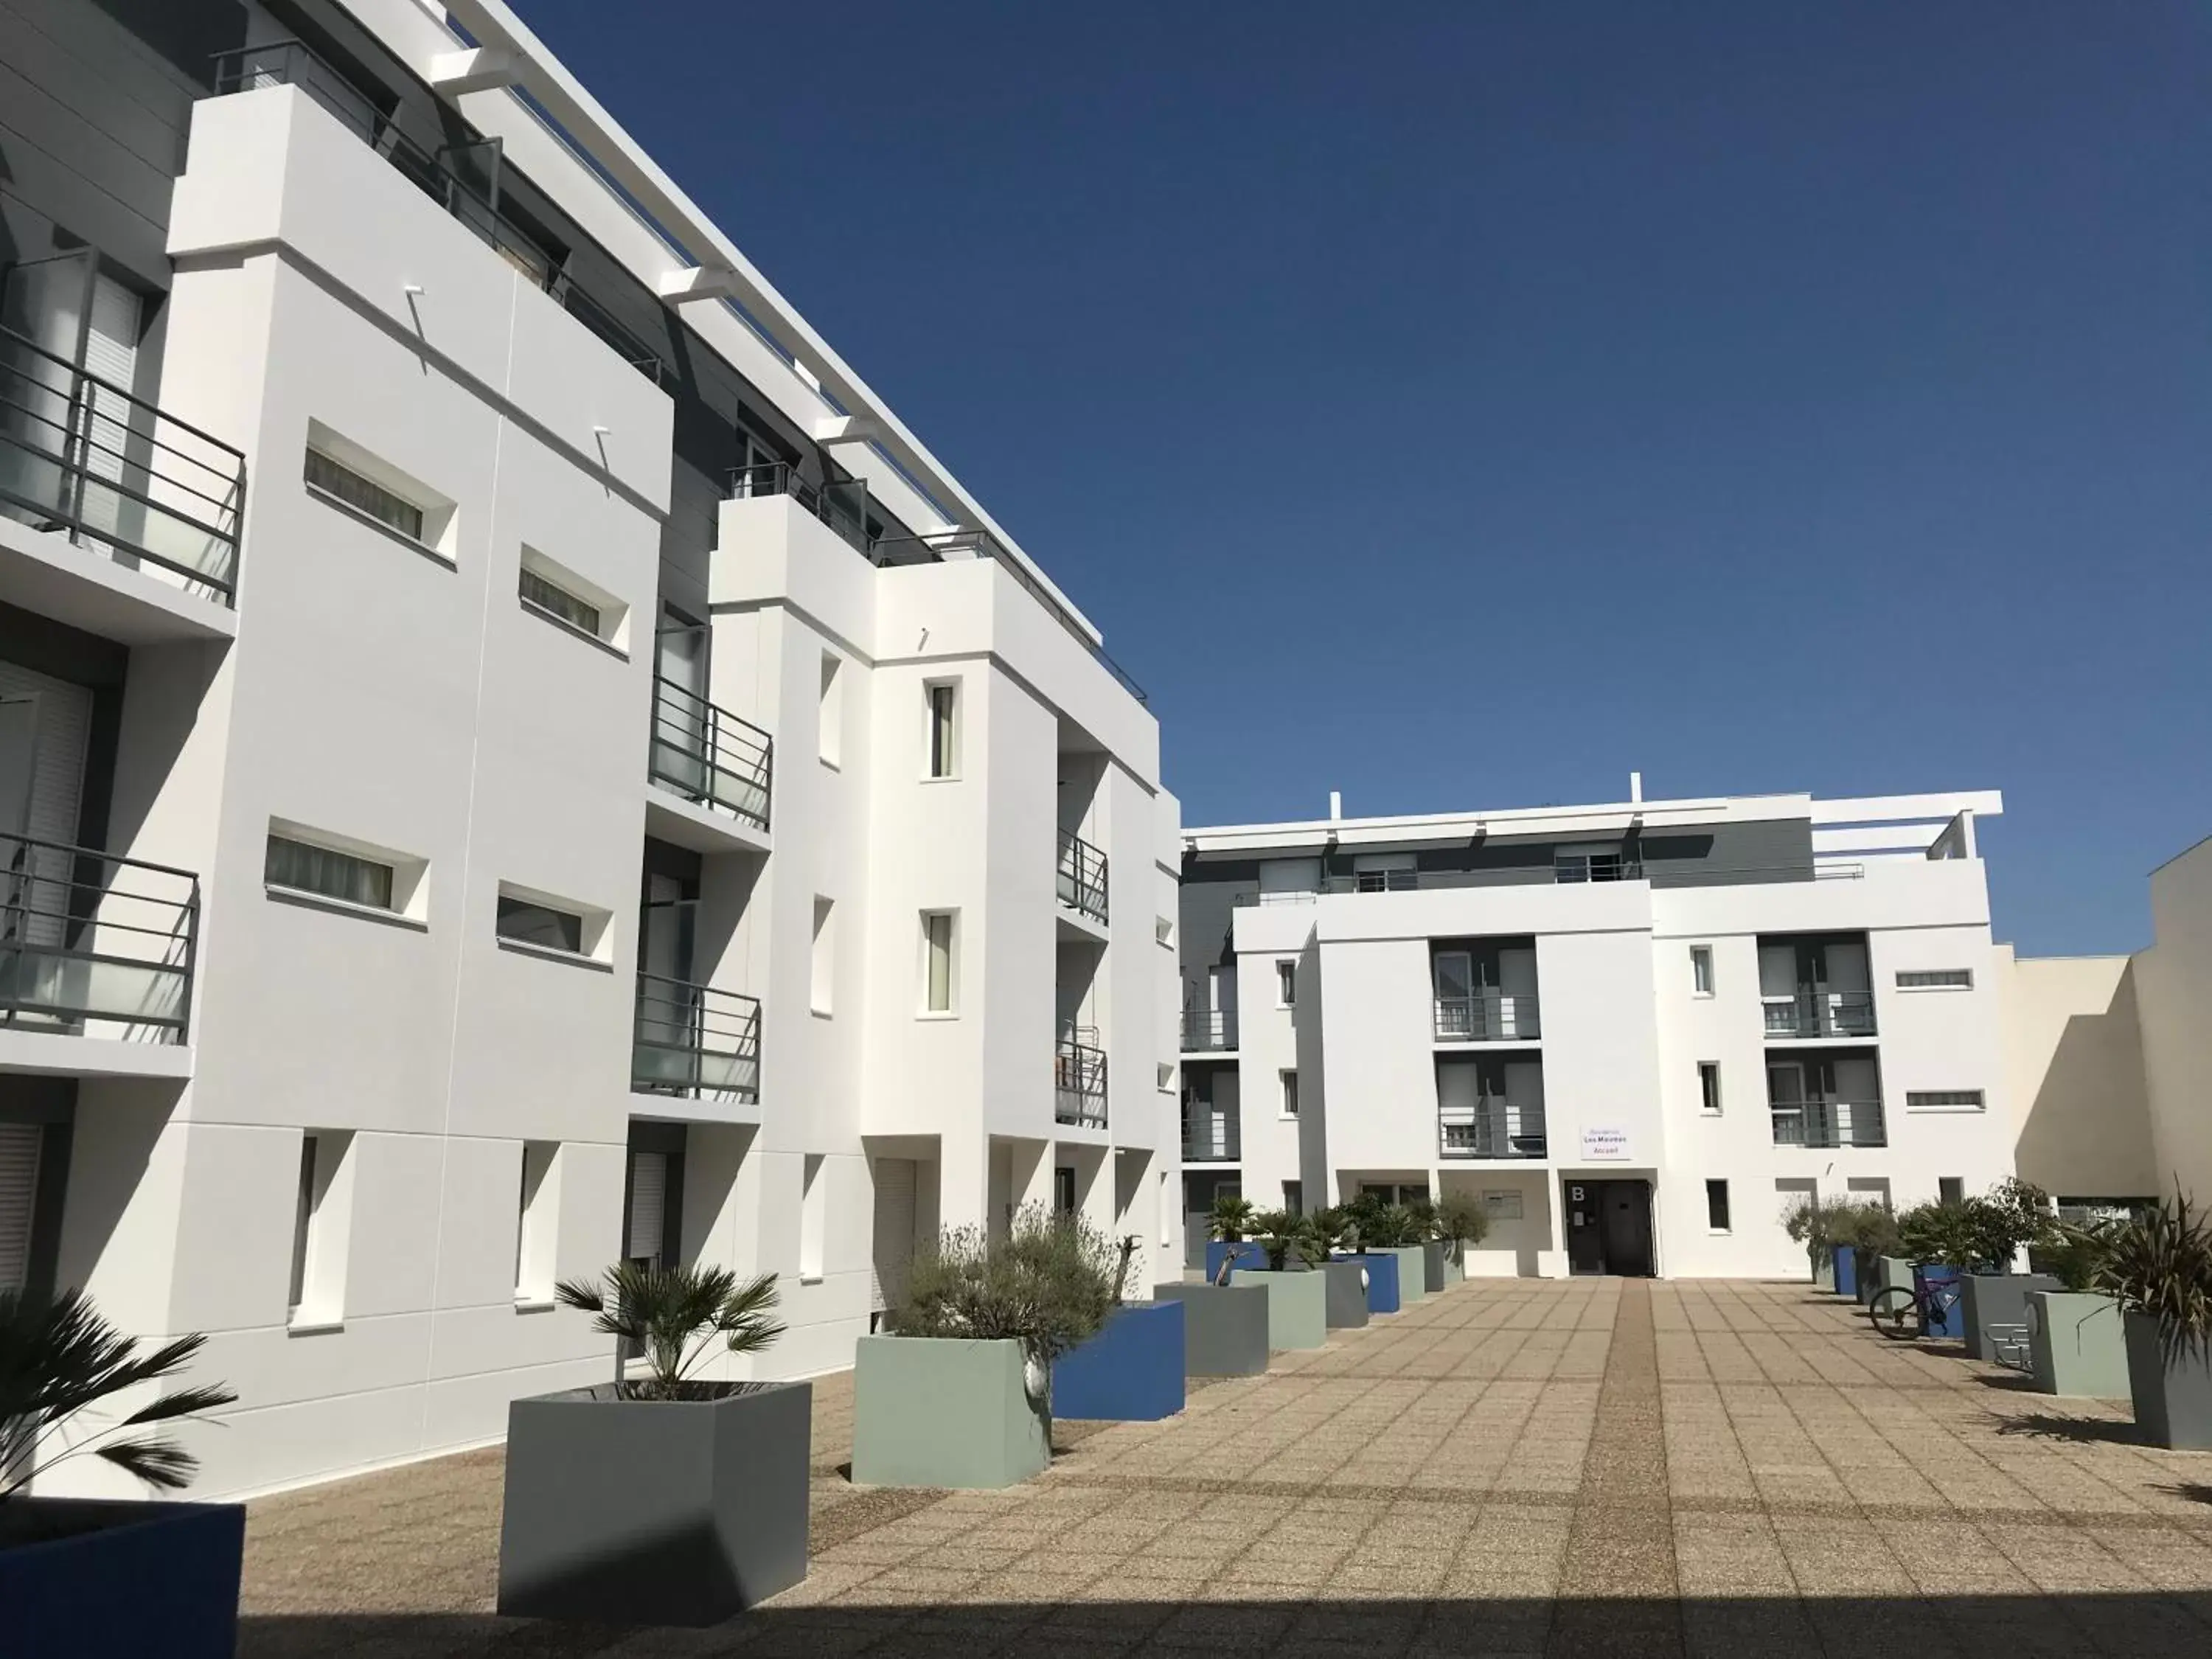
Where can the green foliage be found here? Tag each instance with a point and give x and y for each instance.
(2015, 1215)
(1951, 1233)
(1461, 1218)
(673, 1314)
(1821, 1224)
(1868, 1226)
(58, 1357)
(1284, 1237)
(1231, 1216)
(1332, 1229)
(1046, 1284)
(2159, 1263)
(2074, 1259)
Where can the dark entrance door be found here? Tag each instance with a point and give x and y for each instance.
(1609, 1228)
(1585, 1241)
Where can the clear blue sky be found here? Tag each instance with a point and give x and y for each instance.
(1460, 404)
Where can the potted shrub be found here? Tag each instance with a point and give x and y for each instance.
(1226, 1227)
(1297, 1299)
(2158, 1266)
(958, 1392)
(1347, 1229)
(1345, 1305)
(1942, 1242)
(1395, 1228)
(2076, 1339)
(1458, 1223)
(2015, 1216)
(665, 1498)
(1820, 1225)
(1133, 1370)
(92, 1577)
(1871, 1231)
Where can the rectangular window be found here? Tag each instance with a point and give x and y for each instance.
(822, 982)
(1716, 1206)
(647, 1236)
(1944, 1100)
(1709, 1086)
(303, 1221)
(538, 591)
(1286, 984)
(336, 479)
(1163, 930)
(1294, 1197)
(813, 1218)
(1587, 863)
(1063, 1190)
(528, 921)
(937, 962)
(1166, 1071)
(1701, 971)
(830, 713)
(944, 730)
(1950, 1189)
(303, 868)
(534, 1230)
(1289, 1094)
(321, 1207)
(1935, 979)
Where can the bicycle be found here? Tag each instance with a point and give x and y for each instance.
(1932, 1307)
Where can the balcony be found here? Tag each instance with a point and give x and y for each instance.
(1209, 1136)
(1487, 1017)
(1491, 1128)
(1079, 1081)
(708, 756)
(842, 505)
(1830, 1123)
(694, 1042)
(1812, 1012)
(1209, 1030)
(462, 178)
(85, 460)
(1080, 877)
(92, 945)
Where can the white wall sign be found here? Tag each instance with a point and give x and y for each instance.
(1601, 1145)
(1502, 1206)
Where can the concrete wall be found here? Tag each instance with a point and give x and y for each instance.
(2074, 1054)
(2173, 980)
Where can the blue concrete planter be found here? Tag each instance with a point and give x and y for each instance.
(1131, 1372)
(1847, 1269)
(1246, 1252)
(1952, 1322)
(86, 1579)
(1381, 1281)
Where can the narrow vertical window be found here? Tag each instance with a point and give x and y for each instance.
(1289, 1094)
(1716, 1206)
(813, 1218)
(1709, 1086)
(824, 980)
(937, 962)
(303, 1222)
(1950, 1189)
(533, 1225)
(1286, 984)
(944, 730)
(321, 1207)
(832, 710)
(1701, 971)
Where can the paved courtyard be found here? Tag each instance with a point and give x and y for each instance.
(1597, 1466)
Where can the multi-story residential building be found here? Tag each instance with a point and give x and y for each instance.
(510, 756)
(1635, 1032)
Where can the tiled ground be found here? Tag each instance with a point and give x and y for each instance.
(1595, 1467)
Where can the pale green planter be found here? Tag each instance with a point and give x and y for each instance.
(1297, 1307)
(1454, 1262)
(1893, 1272)
(1413, 1274)
(2078, 1344)
(936, 1412)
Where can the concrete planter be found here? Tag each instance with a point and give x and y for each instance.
(1950, 1321)
(939, 1412)
(1433, 1258)
(1988, 1299)
(1454, 1261)
(2078, 1345)
(653, 1513)
(1131, 1372)
(1890, 1273)
(2173, 1393)
(1346, 1302)
(84, 1578)
(1824, 1269)
(1843, 1270)
(1866, 1275)
(1246, 1252)
(1297, 1307)
(1382, 1267)
(1225, 1327)
(1412, 1273)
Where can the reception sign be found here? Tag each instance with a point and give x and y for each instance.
(1604, 1145)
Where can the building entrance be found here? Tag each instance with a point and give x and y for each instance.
(1609, 1227)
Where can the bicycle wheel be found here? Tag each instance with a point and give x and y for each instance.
(1896, 1313)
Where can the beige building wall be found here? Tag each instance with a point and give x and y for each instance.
(2174, 986)
(2074, 1058)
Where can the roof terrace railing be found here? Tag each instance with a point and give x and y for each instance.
(842, 505)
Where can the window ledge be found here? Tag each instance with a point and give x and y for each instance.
(1701, 996)
(379, 524)
(835, 766)
(550, 953)
(1928, 990)
(950, 777)
(810, 1279)
(568, 627)
(938, 1014)
(301, 897)
(823, 1013)
(302, 1325)
(531, 1304)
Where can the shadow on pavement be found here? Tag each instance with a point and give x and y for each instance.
(2055, 1425)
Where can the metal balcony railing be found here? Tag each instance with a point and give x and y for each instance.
(842, 505)
(705, 754)
(1491, 1128)
(461, 178)
(1081, 876)
(1079, 1084)
(1830, 1123)
(1812, 1012)
(1486, 1017)
(81, 456)
(95, 945)
(1209, 1030)
(694, 1040)
(1208, 1136)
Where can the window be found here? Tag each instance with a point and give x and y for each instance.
(1503, 1205)
(1294, 1197)
(1166, 1071)
(944, 730)
(1286, 984)
(534, 1228)
(303, 1221)
(813, 1218)
(1701, 971)
(1716, 1206)
(321, 1205)
(1587, 863)
(1950, 1189)
(554, 590)
(825, 965)
(528, 921)
(830, 714)
(334, 478)
(1063, 1190)
(937, 962)
(302, 868)
(538, 591)
(1290, 1080)
(1868, 1189)
(1944, 1100)
(1163, 930)
(1934, 979)
(1709, 1086)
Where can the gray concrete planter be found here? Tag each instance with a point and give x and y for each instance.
(1454, 1261)
(1297, 1307)
(653, 1513)
(1433, 1257)
(1225, 1327)
(2077, 1344)
(941, 1412)
(2172, 1392)
(1412, 1273)
(1346, 1302)
(1891, 1272)
(1987, 1299)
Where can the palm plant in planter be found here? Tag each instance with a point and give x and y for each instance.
(2158, 1266)
(1286, 1239)
(1227, 1226)
(668, 1498)
(63, 1561)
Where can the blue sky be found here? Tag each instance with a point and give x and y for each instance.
(1461, 405)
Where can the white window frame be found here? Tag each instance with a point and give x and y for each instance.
(1726, 1226)
(1708, 1088)
(435, 514)
(1286, 1084)
(822, 960)
(594, 926)
(1948, 983)
(930, 1008)
(612, 626)
(1286, 982)
(1702, 979)
(410, 892)
(322, 1225)
(830, 713)
(537, 1225)
(945, 769)
(1947, 1100)
(813, 1218)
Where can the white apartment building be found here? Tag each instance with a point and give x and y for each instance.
(510, 756)
(1633, 1031)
